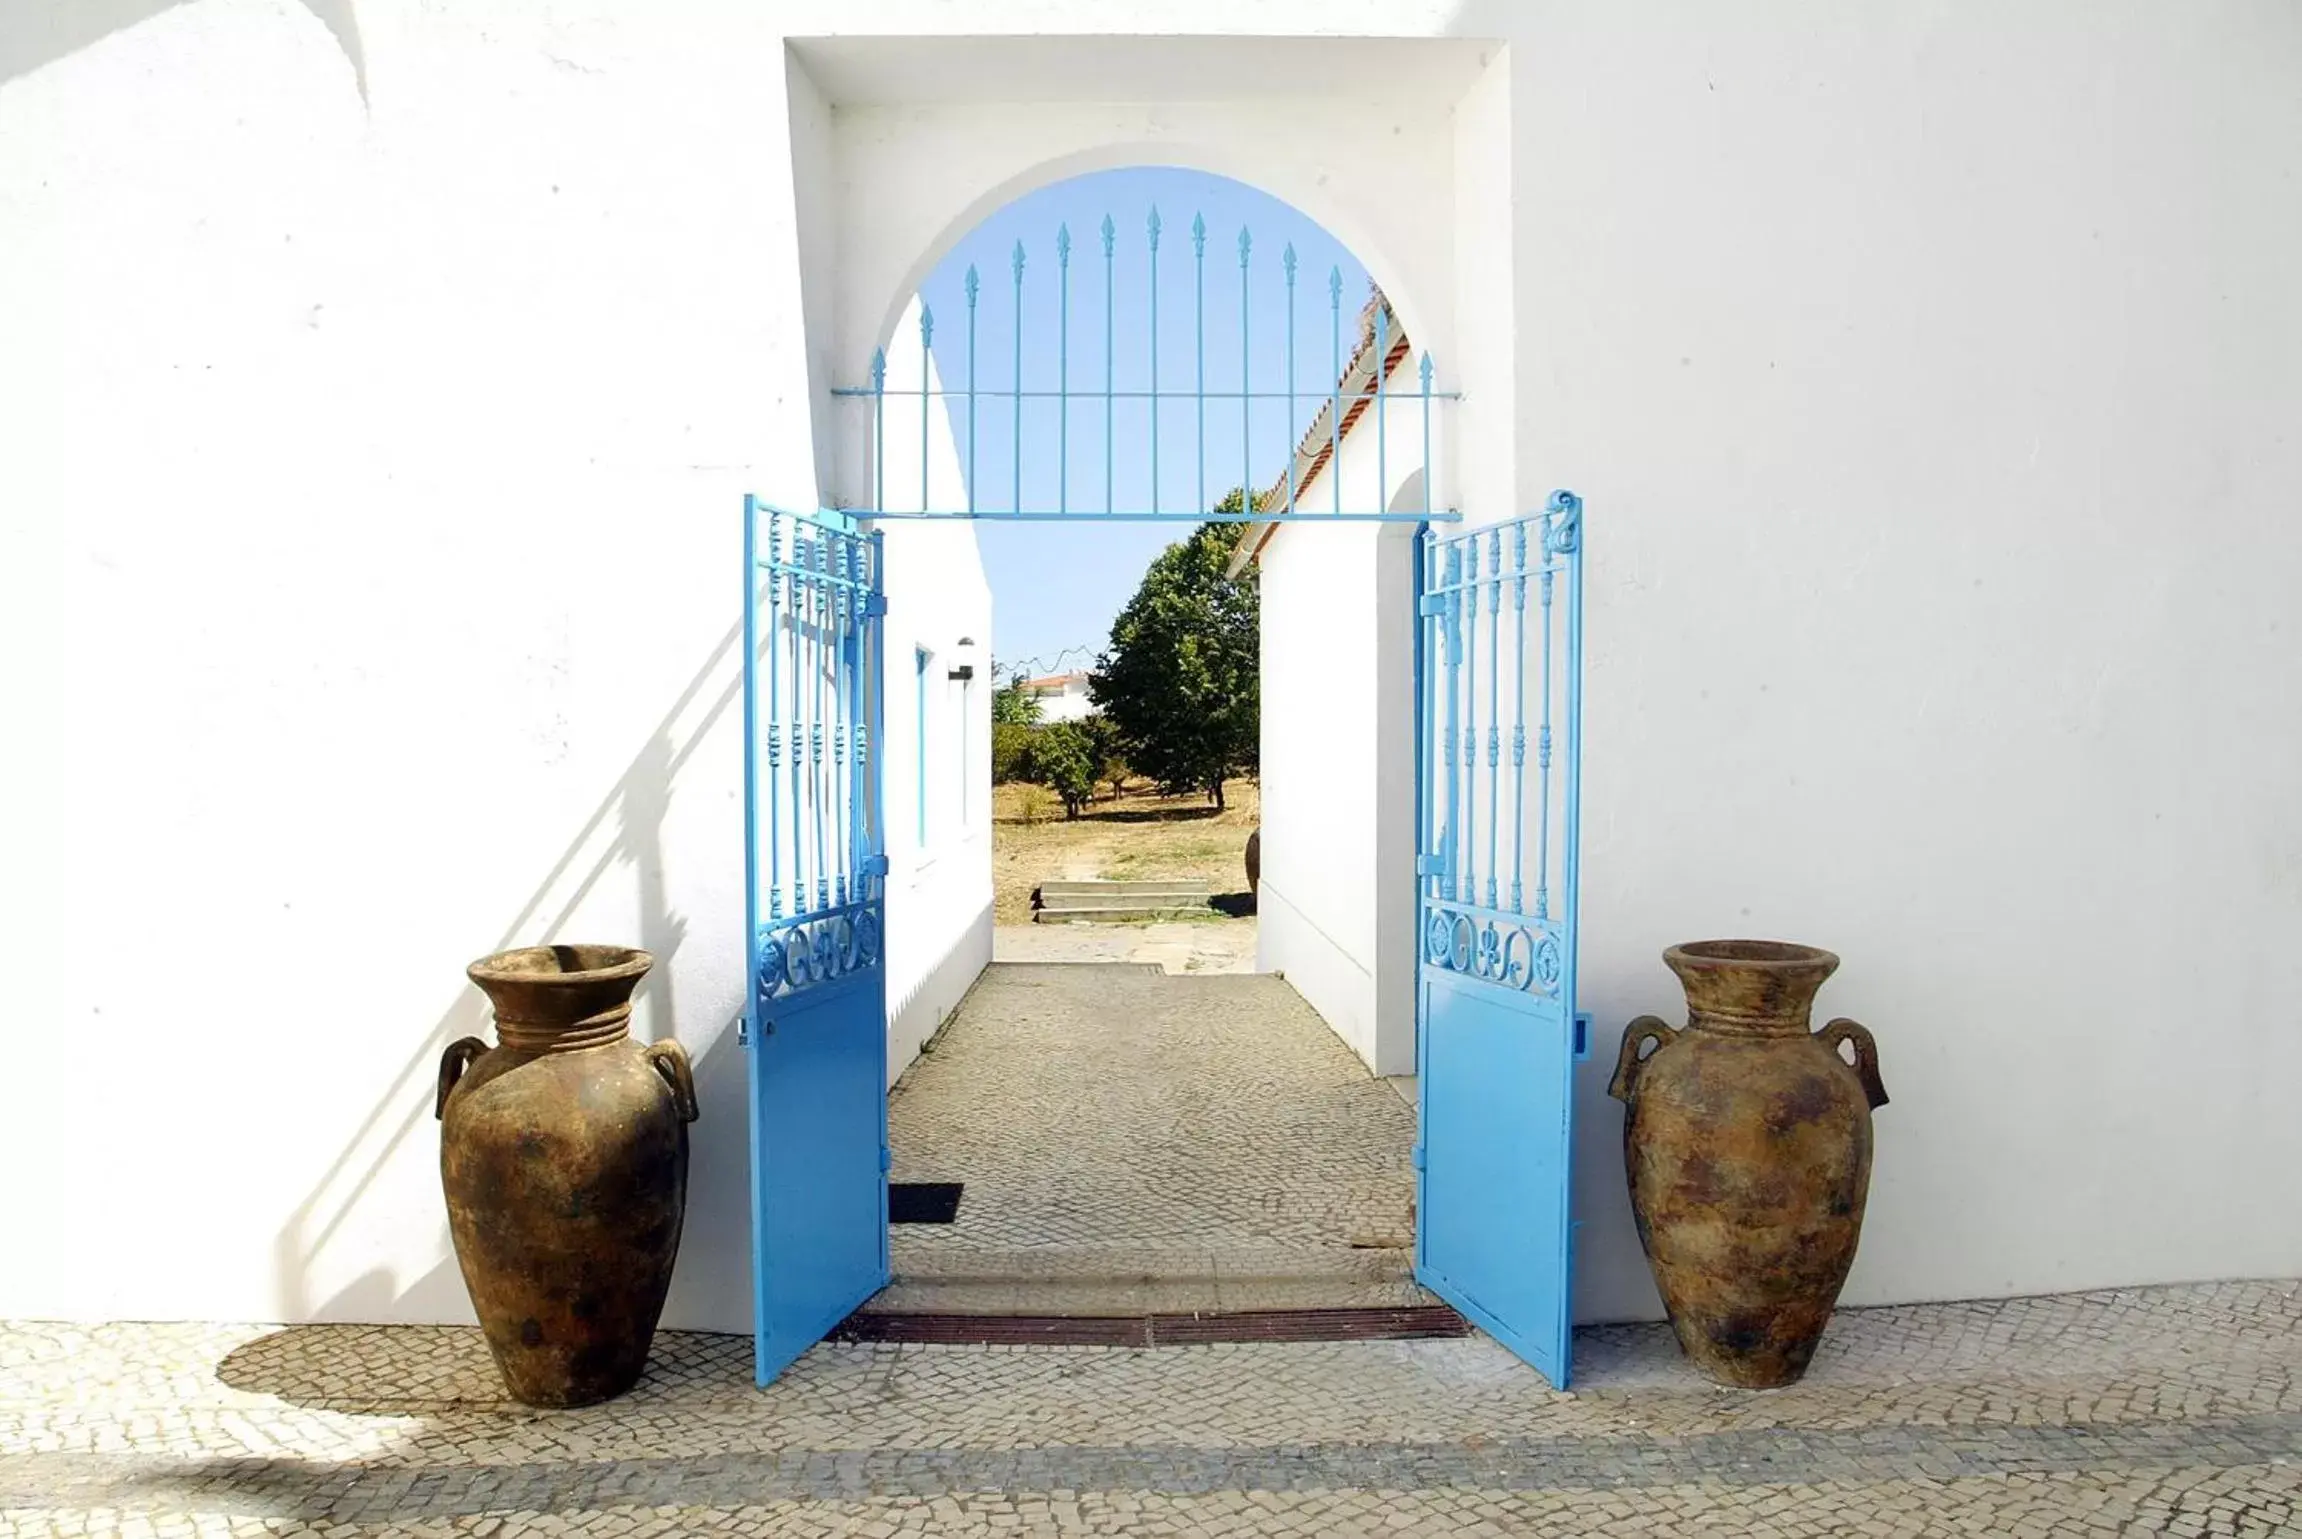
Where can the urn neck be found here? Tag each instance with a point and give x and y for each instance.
(1742, 988)
(561, 999)
(556, 1036)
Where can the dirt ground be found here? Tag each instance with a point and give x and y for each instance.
(1133, 838)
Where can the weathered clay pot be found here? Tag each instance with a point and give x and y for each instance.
(564, 1154)
(1255, 862)
(1748, 1145)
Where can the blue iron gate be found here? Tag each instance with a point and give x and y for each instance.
(1498, 1033)
(816, 1015)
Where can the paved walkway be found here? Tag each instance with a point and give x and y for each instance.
(1178, 946)
(2166, 1411)
(1134, 1142)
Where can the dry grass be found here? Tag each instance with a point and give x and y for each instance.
(1136, 837)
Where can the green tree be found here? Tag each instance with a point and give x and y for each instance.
(1182, 680)
(1064, 760)
(1111, 765)
(1011, 747)
(1012, 704)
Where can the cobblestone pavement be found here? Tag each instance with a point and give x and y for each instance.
(1176, 947)
(1132, 1141)
(2173, 1410)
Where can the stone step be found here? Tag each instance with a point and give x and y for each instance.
(1110, 912)
(1121, 1281)
(1101, 888)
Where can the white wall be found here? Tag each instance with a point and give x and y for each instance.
(939, 604)
(381, 381)
(1336, 908)
(377, 418)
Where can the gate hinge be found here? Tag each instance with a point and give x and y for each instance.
(886, 1159)
(875, 865)
(1431, 604)
(1430, 865)
(1582, 1035)
(743, 1031)
(1416, 1154)
(875, 605)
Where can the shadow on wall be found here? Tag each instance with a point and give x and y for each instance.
(626, 828)
(61, 28)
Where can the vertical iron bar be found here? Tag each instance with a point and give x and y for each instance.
(1573, 510)
(1519, 717)
(836, 659)
(875, 787)
(1199, 288)
(1426, 725)
(1016, 507)
(1110, 450)
(1063, 367)
(1494, 703)
(774, 723)
(973, 283)
(1287, 260)
(1246, 404)
(816, 743)
(1152, 226)
(1427, 472)
(751, 767)
(1470, 882)
(1543, 741)
(1335, 399)
(798, 744)
(1382, 418)
(926, 401)
(879, 426)
(1453, 602)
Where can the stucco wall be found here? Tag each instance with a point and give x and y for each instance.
(382, 378)
(1336, 913)
(378, 416)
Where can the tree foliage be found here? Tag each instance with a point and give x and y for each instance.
(1064, 760)
(1181, 683)
(1011, 745)
(1013, 705)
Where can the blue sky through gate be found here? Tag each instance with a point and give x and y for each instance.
(1056, 587)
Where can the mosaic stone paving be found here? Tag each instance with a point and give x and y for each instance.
(1137, 1141)
(2173, 1410)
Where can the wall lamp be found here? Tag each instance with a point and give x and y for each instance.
(964, 671)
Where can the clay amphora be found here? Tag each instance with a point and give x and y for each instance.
(564, 1153)
(1748, 1143)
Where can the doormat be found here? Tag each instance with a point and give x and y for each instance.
(923, 1202)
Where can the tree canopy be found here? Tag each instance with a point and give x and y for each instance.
(1182, 682)
(1012, 704)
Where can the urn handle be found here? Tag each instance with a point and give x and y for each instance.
(1647, 1028)
(453, 1062)
(669, 1059)
(1865, 1056)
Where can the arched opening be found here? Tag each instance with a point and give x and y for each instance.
(1151, 341)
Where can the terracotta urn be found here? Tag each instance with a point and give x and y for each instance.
(564, 1153)
(1255, 861)
(1748, 1143)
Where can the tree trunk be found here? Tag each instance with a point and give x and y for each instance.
(1218, 796)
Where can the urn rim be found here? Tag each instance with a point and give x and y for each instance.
(1749, 955)
(561, 966)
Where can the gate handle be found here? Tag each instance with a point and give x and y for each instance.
(1635, 1036)
(669, 1059)
(453, 1062)
(1865, 1055)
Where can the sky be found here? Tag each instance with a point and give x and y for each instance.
(1057, 587)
